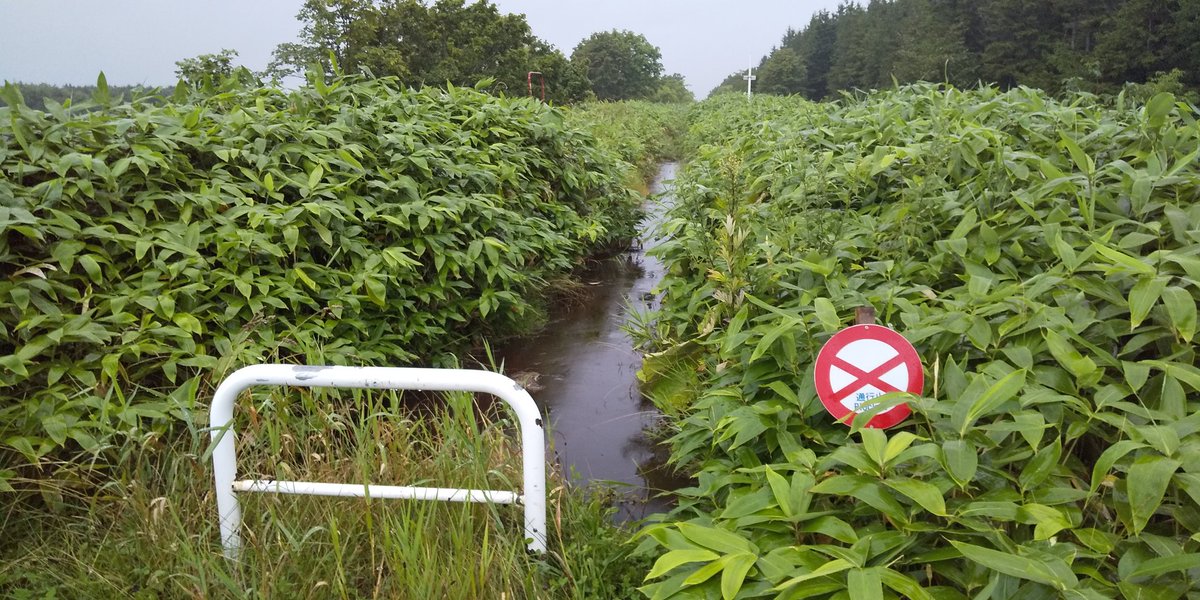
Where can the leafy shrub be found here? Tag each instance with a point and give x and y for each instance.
(157, 242)
(642, 133)
(1044, 259)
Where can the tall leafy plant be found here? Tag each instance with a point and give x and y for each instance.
(1040, 254)
(154, 245)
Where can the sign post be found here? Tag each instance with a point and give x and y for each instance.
(749, 77)
(861, 363)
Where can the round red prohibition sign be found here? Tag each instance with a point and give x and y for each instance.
(861, 363)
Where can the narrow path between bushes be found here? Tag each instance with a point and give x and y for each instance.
(582, 371)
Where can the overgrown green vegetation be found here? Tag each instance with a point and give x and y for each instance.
(151, 247)
(1041, 255)
(1054, 45)
(149, 244)
(643, 134)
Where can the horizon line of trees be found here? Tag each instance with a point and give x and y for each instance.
(1055, 45)
(432, 42)
(35, 95)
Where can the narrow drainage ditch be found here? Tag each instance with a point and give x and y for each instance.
(582, 371)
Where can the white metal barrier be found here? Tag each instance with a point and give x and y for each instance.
(533, 444)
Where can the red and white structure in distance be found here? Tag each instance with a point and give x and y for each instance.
(861, 363)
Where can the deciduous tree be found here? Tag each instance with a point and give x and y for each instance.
(621, 65)
(428, 44)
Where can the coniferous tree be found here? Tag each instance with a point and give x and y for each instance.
(1183, 41)
(931, 43)
(1056, 45)
(1133, 44)
(783, 72)
(852, 52)
(815, 47)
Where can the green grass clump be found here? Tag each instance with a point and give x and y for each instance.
(1043, 257)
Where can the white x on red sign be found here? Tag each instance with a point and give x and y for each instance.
(864, 362)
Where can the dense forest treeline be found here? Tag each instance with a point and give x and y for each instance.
(1055, 45)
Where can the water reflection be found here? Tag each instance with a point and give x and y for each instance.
(586, 366)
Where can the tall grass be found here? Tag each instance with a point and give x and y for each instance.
(151, 532)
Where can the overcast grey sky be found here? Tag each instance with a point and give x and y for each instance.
(138, 41)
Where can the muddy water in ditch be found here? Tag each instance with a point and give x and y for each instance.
(586, 366)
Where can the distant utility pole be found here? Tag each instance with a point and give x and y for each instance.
(749, 77)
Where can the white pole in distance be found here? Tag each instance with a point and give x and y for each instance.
(749, 76)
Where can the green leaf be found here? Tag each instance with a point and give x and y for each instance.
(20, 297)
(349, 159)
(897, 444)
(376, 291)
(92, 268)
(864, 584)
(1136, 374)
(716, 539)
(101, 95)
(734, 574)
(733, 328)
(863, 489)
(874, 443)
(707, 571)
(836, 565)
(1095, 539)
(961, 460)
(769, 338)
(1108, 458)
(1066, 354)
(1184, 372)
(141, 247)
(24, 445)
(1122, 260)
(1018, 566)
(166, 304)
(827, 315)
(1165, 564)
(1082, 161)
(1049, 520)
(1000, 392)
(302, 276)
(1158, 108)
(188, 323)
(780, 490)
(1147, 483)
(832, 527)
(314, 176)
(1040, 466)
(1140, 194)
(924, 494)
(56, 427)
(1142, 297)
(904, 585)
(1181, 308)
(676, 558)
